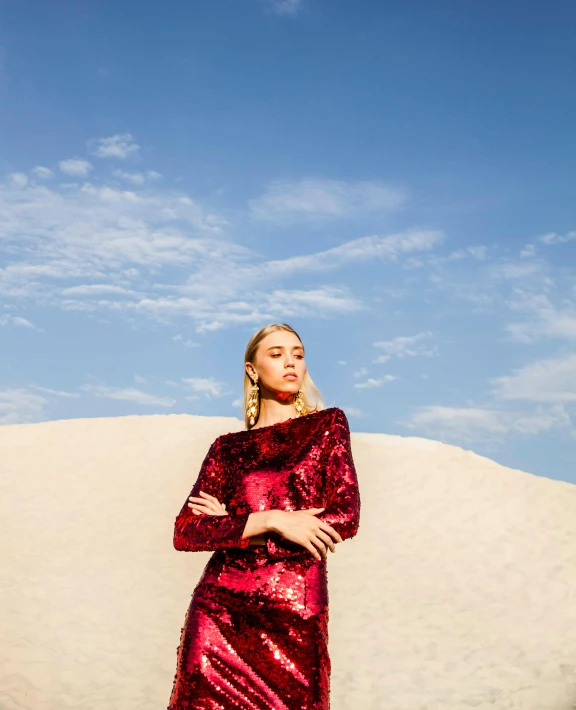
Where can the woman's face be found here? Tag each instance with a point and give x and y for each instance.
(279, 354)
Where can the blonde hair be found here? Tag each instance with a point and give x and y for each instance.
(310, 393)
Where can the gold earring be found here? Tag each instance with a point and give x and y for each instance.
(253, 403)
(299, 403)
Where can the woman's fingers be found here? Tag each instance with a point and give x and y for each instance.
(201, 504)
(330, 530)
(206, 506)
(214, 500)
(200, 501)
(208, 500)
(197, 508)
(327, 540)
(207, 495)
(309, 546)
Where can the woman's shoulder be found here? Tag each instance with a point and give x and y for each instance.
(329, 419)
(339, 423)
(338, 416)
(332, 416)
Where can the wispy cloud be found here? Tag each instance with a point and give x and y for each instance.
(547, 385)
(321, 200)
(374, 382)
(137, 178)
(284, 7)
(150, 251)
(487, 425)
(43, 173)
(21, 406)
(120, 146)
(75, 166)
(186, 342)
(551, 380)
(405, 346)
(56, 393)
(17, 321)
(18, 180)
(530, 249)
(543, 318)
(206, 386)
(128, 394)
(553, 238)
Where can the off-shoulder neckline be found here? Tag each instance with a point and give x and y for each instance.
(283, 423)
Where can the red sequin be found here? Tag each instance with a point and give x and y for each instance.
(255, 635)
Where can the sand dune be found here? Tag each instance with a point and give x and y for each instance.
(458, 592)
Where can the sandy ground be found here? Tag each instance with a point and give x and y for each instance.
(459, 590)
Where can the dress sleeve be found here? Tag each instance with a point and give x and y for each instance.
(342, 506)
(198, 532)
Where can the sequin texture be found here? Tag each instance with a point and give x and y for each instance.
(255, 634)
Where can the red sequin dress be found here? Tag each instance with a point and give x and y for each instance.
(255, 635)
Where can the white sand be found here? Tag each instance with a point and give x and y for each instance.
(459, 590)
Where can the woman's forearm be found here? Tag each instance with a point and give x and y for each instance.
(259, 523)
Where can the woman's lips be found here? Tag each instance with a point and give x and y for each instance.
(291, 377)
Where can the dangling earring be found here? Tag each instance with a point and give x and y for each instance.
(253, 403)
(299, 403)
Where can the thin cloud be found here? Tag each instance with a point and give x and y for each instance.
(406, 346)
(373, 382)
(543, 318)
(207, 386)
(186, 342)
(152, 252)
(488, 425)
(101, 235)
(551, 380)
(128, 394)
(18, 321)
(97, 290)
(119, 146)
(553, 238)
(548, 384)
(56, 393)
(515, 271)
(20, 406)
(43, 173)
(18, 180)
(137, 178)
(75, 166)
(322, 200)
(283, 7)
(549, 239)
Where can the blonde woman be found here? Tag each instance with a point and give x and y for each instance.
(270, 501)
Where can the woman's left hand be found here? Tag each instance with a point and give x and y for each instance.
(208, 504)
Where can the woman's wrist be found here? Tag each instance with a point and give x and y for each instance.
(272, 521)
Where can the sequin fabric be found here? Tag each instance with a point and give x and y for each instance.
(255, 634)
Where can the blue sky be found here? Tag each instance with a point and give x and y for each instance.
(393, 179)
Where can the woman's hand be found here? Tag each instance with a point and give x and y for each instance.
(209, 504)
(302, 527)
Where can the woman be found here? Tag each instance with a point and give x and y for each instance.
(256, 632)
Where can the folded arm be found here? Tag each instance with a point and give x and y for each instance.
(197, 532)
(342, 507)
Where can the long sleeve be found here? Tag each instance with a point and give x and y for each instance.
(195, 532)
(342, 506)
